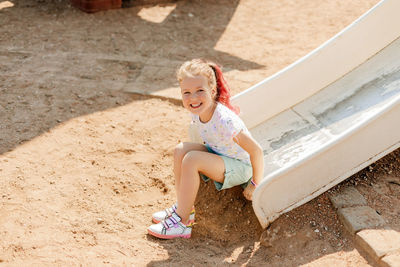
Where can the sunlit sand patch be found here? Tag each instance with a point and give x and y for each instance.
(235, 255)
(339, 258)
(156, 14)
(6, 4)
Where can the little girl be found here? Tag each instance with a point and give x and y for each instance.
(229, 155)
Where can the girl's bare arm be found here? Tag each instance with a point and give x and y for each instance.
(255, 151)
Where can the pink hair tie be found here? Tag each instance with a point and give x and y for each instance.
(253, 183)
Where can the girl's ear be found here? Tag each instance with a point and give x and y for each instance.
(214, 93)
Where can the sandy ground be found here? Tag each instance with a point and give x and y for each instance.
(83, 163)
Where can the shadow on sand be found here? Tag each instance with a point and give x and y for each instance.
(58, 63)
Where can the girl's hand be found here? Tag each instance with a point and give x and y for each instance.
(248, 191)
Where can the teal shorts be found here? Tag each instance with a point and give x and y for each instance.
(236, 173)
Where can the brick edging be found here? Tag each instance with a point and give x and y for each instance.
(368, 228)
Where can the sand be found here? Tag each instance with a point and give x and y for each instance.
(84, 163)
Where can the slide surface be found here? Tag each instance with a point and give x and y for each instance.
(328, 115)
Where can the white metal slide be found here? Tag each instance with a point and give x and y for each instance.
(328, 115)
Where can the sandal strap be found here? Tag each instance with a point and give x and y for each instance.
(169, 213)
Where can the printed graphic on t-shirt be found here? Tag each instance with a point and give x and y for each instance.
(218, 133)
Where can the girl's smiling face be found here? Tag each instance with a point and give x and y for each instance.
(198, 97)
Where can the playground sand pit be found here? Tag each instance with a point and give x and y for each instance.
(83, 164)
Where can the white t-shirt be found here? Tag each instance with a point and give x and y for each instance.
(219, 131)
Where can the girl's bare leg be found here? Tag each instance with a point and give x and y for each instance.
(193, 163)
(180, 151)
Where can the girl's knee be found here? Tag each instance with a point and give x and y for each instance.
(190, 159)
(182, 149)
(179, 151)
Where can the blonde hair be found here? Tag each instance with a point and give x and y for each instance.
(197, 67)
